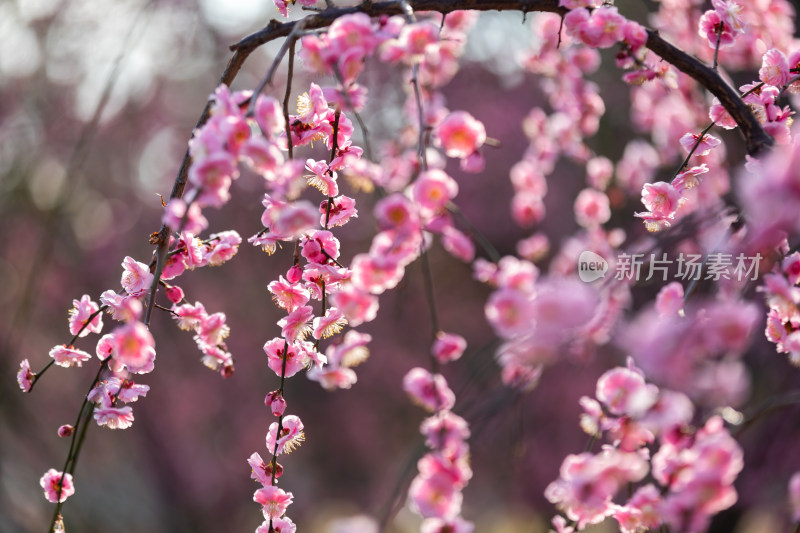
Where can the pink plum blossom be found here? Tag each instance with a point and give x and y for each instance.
(460, 134)
(592, 208)
(68, 356)
(329, 324)
(273, 500)
(433, 190)
(79, 316)
(291, 435)
(295, 326)
(774, 68)
(134, 347)
(430, 391)
(57, 485)
(288, 296)
(105, 414)
(448, 347)
(24, 376)
(704, 143)
(136, 279)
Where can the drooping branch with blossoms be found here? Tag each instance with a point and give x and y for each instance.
(671, 439)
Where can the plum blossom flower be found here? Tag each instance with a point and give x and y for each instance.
(274, 501)
(57, 486)
(704, 143)
(189, 316)
(448, 347)
(68, 356)
(134, 347)
(283, 524)
(259, 469)
(79, 316)
(329, 324)
(430, 391)
(291, 435)
(105, 414)
(774, 68)
(136, 279)
(295, 325)
(460, 134)
(121, 307)
(592, 208)
(24, 376)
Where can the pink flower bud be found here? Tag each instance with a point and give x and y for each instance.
(274, 400)
(65, 430)
(175, 294)
(294, 274)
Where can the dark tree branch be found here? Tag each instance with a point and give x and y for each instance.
(755, 136)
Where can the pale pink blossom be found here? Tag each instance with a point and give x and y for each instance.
(445, 431)
(287, 295)
(283, 524)
(274, 501)
(295, 325)
(329, 324)
(600, 29)
(189, 316)
(79, 316)
(338, 212)
(396, 211)
(704, 143)
(269, 115)
(709, 27)
(624, 392)
(134, 347)
(175, 215)
(592, 208)
(414, 38)
(213, 175)
(57, 485)
(136, 279)
(105, 414)
(774, 68)
(435, 496)
(222, 247)
(24, 376)
(259, 469)
(291, 435)
(322, 178)
(213, 329)
(689, 179)
(448, 347)
(433, 190)
(669, 301)
(509, 312)
(68, 356)
(730, 15)
(460, 134)
(295, 357)
(661, 199)
(430, 391)
(458, 244)
(121, 307)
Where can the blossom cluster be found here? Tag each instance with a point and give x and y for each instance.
(686, 473)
